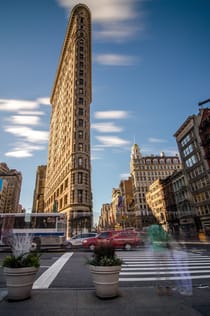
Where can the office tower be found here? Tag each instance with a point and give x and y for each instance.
(144, 171)
(13, 180)
(68, 176)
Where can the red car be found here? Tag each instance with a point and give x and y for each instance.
(119, 239)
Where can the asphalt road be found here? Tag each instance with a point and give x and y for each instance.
(70, 269)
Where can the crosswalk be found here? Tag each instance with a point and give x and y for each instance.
(146, 266)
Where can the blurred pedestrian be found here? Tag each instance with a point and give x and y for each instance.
(159, 240)
(184, 280)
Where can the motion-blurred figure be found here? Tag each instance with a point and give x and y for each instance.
(183, 281)
(159, 240)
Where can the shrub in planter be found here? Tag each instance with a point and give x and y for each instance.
(105, 267)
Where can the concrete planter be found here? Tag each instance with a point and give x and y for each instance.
(106, 280)
(19, 282)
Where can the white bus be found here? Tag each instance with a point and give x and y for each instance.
(46, 229)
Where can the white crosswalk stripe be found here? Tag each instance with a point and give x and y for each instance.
(147, 266)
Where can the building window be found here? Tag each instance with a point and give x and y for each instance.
(80, 161)
(80, 134)
(191, 161)
(80, 123)
(185, 140)
(79, 196)
(80, 147)
(81, 81)
(65, 199)
(80, 177)
(80, 100)
(80, 90)
(81, 111)
(72, 196)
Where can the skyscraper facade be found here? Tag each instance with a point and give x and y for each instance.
(68, 174)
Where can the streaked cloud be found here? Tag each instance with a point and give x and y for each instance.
(115, 18)
(112, 141)
(23, 150)
(24, 119)
(114, 60)
(26, 114)
(19, 153)
(157, 140)
(12, 105)
(28, 134)
(44, 101)
(31, 113)
(116, 31)
(124, 176)
(108, 127)
(111, 114)
(15, 105)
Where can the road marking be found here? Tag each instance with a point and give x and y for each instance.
(44, 281)
(165, 278)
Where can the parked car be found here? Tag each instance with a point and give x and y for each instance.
(76, 241)
(125, 239)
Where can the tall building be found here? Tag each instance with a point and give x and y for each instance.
(13, 188)
(38, 200)
(68, 175)
(144, 171)
(193, 140)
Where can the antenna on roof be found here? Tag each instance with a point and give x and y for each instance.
(203, 102)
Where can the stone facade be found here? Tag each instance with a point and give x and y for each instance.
(68, 176)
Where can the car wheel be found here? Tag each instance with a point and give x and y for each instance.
(128, 247)
(69, 246)
(92, 247)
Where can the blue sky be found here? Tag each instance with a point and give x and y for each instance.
(150, 68)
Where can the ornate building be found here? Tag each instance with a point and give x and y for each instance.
(68, 175)
(144, 171)
(12, 188)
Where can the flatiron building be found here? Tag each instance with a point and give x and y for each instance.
(68, 174)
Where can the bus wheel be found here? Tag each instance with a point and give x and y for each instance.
(37, 244)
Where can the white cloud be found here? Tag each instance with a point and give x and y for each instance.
(112, 141)
(106, 12)
(44, 101)
(115, 31)
(114, 60)
(157, 140)
(24, 119)
(19, 154)
(111, 114)
(124, 176)
(23, 150)
(31, 113)
(28, 133)
(12, 105)
(108, 127)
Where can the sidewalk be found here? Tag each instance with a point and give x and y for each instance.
(130, 302)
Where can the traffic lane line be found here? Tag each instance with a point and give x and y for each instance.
(46, 278)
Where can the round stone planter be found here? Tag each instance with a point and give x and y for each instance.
(19, 282)
(106, 280)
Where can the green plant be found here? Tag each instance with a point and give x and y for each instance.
(105, 256)
(22, 261)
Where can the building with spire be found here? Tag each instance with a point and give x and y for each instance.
(144, 171)
(68, 174)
